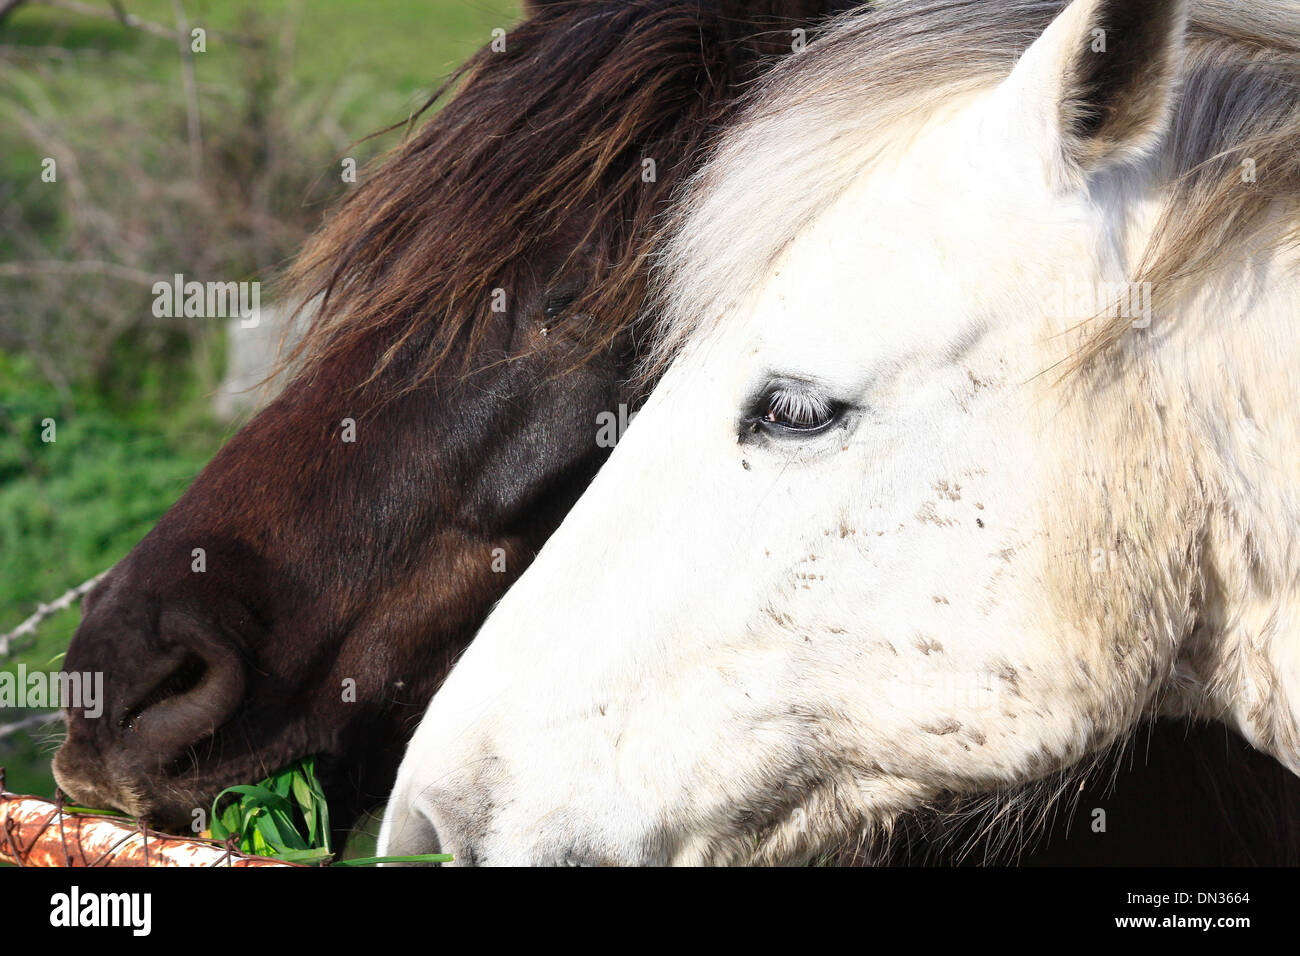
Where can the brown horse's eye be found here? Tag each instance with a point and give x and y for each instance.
(559, 301)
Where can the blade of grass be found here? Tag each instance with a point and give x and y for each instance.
(415, 858)
(98, 813)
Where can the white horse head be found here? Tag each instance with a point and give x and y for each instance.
(976, 446)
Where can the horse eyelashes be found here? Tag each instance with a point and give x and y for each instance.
(555, 309)
(797, 409)
(559, 302)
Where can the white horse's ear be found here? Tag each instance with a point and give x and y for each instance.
(1097, 87)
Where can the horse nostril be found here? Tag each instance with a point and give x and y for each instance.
(408, 831)
(188, 696)
(187, 676)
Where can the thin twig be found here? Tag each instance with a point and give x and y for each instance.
(118, 15)
(53, 52)
(82, 267)
(65, 157)
(65, 600)
(191, 91)
(32, 720)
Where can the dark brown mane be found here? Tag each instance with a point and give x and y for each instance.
(465, 205)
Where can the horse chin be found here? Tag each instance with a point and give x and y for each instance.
(86, 782)
(164, 797)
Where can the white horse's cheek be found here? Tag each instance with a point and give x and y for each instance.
(937, 682)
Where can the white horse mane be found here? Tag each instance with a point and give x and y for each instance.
(815, 122)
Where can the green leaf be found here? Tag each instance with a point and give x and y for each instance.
(290, 837)
(415, 858)
(98, 813)
(307, 804)
(323, 811)
(231, 819)
(269, 832)
(256, 795)
(302, 792)
(281, 783)
(219, 831)
(317, 855)
(285, 815)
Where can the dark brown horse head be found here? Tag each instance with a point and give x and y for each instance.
(473, 308)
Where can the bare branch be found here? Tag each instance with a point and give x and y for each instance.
(45, 140)
(8, 6)
(83, 267)
(27, 629)
(119, 15)
(33, 720)
(90, 10)
(191, 91)
(51, 52)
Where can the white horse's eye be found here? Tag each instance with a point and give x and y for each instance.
(798, 410)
